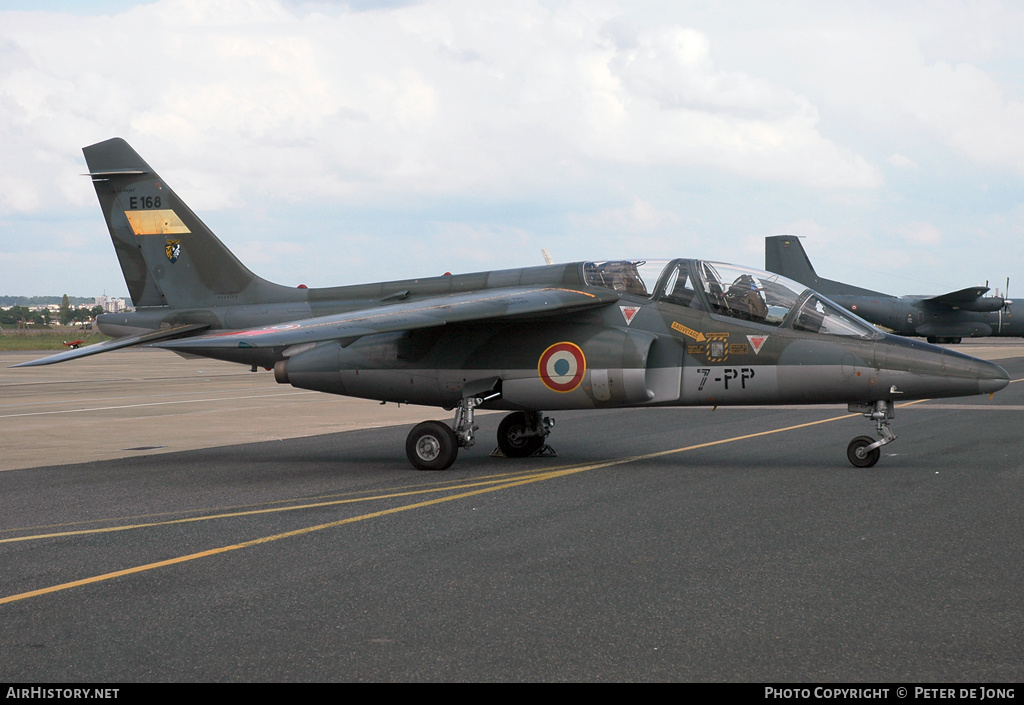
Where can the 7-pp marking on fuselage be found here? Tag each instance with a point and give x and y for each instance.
(724, 375)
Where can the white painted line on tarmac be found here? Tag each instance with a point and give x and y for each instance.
(155, 403)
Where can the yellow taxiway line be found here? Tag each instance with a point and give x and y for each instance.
(481, 487)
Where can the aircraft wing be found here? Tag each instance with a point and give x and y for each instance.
(117, 343)
(957, 298)
(485, 305)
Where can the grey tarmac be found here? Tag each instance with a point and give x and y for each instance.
(660, 545)
(135, 402)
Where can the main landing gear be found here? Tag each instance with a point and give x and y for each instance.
(523, 433)
(433, 445)
(862, 451)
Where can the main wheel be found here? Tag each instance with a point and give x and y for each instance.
(512, 438)
(863, 459)
(431, 445)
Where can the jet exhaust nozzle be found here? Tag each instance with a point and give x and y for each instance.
(281, 372)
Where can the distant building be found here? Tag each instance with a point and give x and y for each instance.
(111, 305)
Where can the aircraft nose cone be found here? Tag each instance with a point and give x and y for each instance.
(920, 370)
(991, 378)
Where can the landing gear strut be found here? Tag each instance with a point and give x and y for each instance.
(433, 445)
(862, 451)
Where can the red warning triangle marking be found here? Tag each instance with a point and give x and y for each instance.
(628, 312)
(756, 341)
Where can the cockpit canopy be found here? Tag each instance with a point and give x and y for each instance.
(731, 291)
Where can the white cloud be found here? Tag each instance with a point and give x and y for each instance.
(967, 109)
(901, 161)
(432, 98)
(922, 234)
(639, 217)
(498, 128)
(945, 76)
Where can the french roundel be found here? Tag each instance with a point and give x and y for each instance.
(562, 367)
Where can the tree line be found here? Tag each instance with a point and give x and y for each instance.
(22, 315)
(6, 301)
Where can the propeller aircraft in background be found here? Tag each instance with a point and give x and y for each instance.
(946, 318)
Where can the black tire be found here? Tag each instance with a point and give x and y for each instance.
(511, 439)
(868, 460)
(431, 445)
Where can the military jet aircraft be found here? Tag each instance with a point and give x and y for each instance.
(585, 335)
(946, 318)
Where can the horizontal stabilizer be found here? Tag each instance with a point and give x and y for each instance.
(486, 305)
(117, 344)
(98, 175)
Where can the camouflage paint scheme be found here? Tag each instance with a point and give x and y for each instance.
(581, 335)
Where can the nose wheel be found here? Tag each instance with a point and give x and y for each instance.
(863, 452)
(859, 454)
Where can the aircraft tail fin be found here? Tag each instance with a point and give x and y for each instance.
(167, 255)
(783, 254)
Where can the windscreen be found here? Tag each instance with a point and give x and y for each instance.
(636, 277)
(762, 297)
(748, 294)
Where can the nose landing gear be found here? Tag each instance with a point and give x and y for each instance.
(862, 451)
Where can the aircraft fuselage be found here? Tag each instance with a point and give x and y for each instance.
(915, 316)
(646, 350)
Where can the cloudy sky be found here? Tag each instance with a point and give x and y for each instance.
(335, 143)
